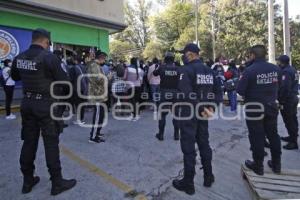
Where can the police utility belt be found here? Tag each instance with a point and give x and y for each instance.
(36, 96)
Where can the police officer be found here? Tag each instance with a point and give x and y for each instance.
(168, 91)
(288, 98)
(259, 87)
(38, 68)
(197, 83)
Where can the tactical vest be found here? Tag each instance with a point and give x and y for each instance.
(34, 74)
(169, 77)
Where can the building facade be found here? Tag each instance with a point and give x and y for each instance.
(71, 22)
(76, 26)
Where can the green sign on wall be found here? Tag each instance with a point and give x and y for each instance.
(61, 32)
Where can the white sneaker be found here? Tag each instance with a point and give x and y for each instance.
(78, 122)
(129, 118)
(10, 117)
(136, 118)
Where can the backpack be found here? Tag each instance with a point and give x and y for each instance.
(2, 79)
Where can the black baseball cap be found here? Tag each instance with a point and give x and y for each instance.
(283, 59)
(100, 53)
(43, 32)
(190, 47)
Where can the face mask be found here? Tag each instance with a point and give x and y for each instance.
(185, 60)
(10, 64)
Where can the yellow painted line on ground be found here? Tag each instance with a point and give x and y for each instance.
(15, 108)
(129, 191)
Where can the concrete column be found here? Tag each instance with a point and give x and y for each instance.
(286, 29)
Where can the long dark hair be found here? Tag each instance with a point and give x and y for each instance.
(134, 63)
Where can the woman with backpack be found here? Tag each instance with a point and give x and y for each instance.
(9, 86)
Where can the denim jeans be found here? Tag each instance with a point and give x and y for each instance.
(232, 97)
(155, 92)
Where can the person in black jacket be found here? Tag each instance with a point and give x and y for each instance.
(259, 86)
(168, 90)
(38, 68)
(198, 84)
(288, 98)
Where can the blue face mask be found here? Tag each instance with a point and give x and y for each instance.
(184, 60)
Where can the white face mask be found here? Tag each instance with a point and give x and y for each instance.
(10, 64)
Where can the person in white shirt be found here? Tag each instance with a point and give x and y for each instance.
(154, 81)
(134, 74)
(9, 87)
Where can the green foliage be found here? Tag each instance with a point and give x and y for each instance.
(119, 50)
(239, 24)
(295, 43)
(171, 24)
(154, 50)
(137, 33)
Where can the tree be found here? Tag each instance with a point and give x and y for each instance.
(136, 17)
(169, 25)
(239, 24)
(119, 50)
(154, 50)
(239, 27)
(295, 41)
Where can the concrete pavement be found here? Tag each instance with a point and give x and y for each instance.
(132, 164)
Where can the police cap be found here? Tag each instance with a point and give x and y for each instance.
(284, 59)
(190, 47)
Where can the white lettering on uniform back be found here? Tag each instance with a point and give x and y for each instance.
(170, 73)
(269, 78)
(26, 64)
(205, 79)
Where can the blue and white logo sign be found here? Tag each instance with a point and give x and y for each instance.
(9, 46)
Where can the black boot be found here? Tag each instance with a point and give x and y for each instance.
(184, 186)
(159, 136)
(176, 135)
(286, 139)
(29, 183)
(208, 180)
(61, 185)
(256, 167)
(291, 146)
(275, 166)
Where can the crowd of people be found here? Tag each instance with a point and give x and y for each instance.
(191, 91)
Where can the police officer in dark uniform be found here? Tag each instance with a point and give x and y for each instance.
(197, 83)
(288, 98)
(259, 86)
(168, 91)
(38, 68)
